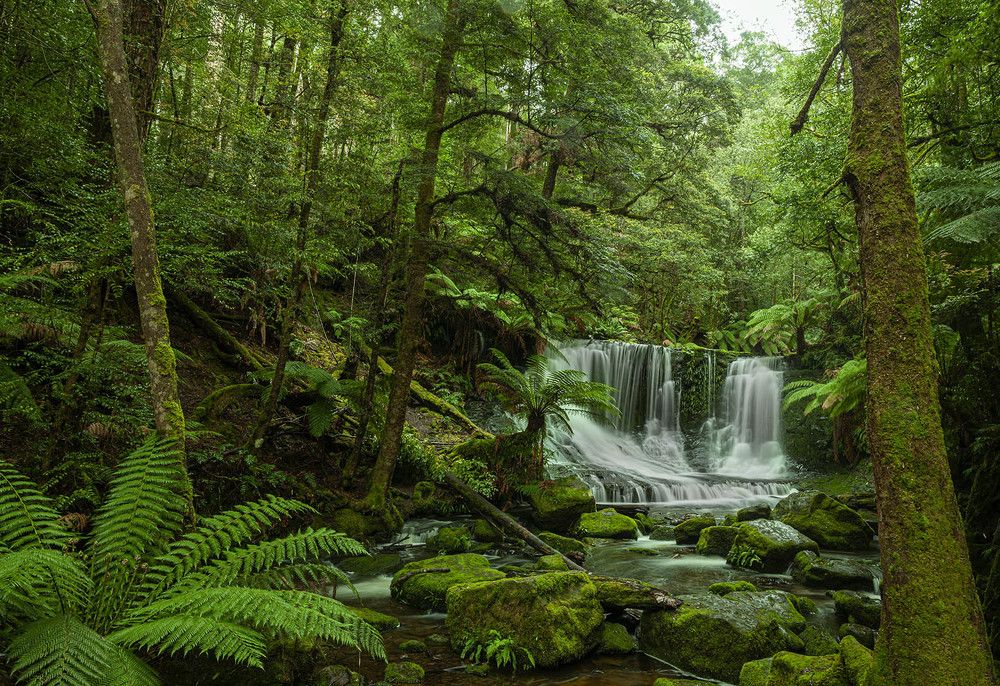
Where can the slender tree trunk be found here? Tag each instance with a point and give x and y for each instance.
(255, 57)
(417, 262)
(145, 23)
(138, 208)
(933, 631)
(311, 182)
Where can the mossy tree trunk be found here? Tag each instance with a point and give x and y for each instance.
(932, 628)
(415, 271)
(127, 145)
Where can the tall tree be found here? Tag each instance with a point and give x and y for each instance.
(160, 360)
(932, 629)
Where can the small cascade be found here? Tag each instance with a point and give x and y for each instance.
(639, 456)
(746, 440)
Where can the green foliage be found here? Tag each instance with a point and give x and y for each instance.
(966, 203)
(844, 392)
(222, 589)
(744, 556)
(498, 650)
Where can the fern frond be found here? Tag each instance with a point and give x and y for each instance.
(38, 581)
(59, 651)
(298, 575)
(125, 669)
(186, 633)
(26, 516)
(15, 396)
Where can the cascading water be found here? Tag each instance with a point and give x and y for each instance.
(639, 456)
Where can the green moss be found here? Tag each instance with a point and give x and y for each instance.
(617, 594)
(615, 640)
(809, 569)
(563, 544)
(645, 522)
(804, 605)
(606, 524)
(825, 520)
(724, 587)
(816, 641)
(756, 673)
(790, 669)
(858, 661)
(689, 530)
(748, 514)
(864, 635)
(413, 646)
(662, 532)
(428, 590)
(372, 565)
(857, 607)
(557, 505)
(404, 673)
(552, 563)
(450, 540)
(379, 620)
(716, 540)
(556, 615)
(485, 532)
(775, 543)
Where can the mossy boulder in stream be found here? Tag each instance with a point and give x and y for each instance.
(555, 616)
(773, 543)
(727, 587)
(379, 620)
(485, 532)
(791, 669)
(752, 512)
(416, 585)
(617, 594)
(552, 563)
(404, 673)
(450, 540)
(689, 530)
(557, 505)
(713, 635)
(716, 540)
(606, 524)
(858, 608)
(809, 569)
(615, 640)
(563, 544)
(825, 520)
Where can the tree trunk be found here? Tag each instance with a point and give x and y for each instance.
(933, 631)
(138, 209)
(417, 261)
(255, 58)
(337, 18)
(145, 23)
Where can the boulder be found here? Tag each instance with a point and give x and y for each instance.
(606, 524)
(809, 569)
(336, 675)
(748, 514)
(858, 660)
(364, 526)
(725, 587)
(379, 620)
(450, 540)
(816, 641)
(615, 640)
(713, 635)
(768, 545)
(825, 520)
(484, 532)
(645, 522)
(791, 669)
(427, 589)
(716, 540)
(862, 634)
(689, 530)
(755, 672)
(563, 544)
(555, 616)
(557, 505)
(858, 608)
(403, 673)
(552, 563)
(413, 646)
(617, 594)
(661, 532)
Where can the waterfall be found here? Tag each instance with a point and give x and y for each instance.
(639, 456)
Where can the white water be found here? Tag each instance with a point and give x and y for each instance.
(639, 457)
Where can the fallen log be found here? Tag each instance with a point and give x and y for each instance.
(212, 329)
(504, 521)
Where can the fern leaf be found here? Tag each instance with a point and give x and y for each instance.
(186, 633)
(38, 581)
(26, 516)
(125, 669)
(59, 651)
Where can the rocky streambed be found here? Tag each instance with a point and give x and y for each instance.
(770, 592)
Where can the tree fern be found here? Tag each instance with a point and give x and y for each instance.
(222, 639)
(26, 516)
(965, 203)
(59, 651)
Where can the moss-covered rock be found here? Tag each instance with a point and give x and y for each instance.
(714, 635)
(556, 616)
(755, 672)
(413, 646)
(615, 640)
(816, 641)
(858, 608)
(805, 606)
(365, 526)
(557, 505)
(858, 660)
(775, 544)
(484, 532)
(403, 673)
(606, 524)
(563, 544)
(864, 635)
(716, 540)
(791, 669)
(552, 563)
(616, 594)
(752, 512)
(661, 532)
(825, 520)
(689, 530)
(725, 587)
(379, 620)
(336, 675)
(427, 590)
(809, 569)
(372, 565)
(645, 522)
(450, 540)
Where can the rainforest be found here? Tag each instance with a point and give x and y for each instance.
(523, 342)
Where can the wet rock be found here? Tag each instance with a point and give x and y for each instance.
(662, 532)
(615, 640)
(404, 673)
(379, 620)
(552, 563)
(714, 635)
(337, 675)
(365, 526)
(805, 606)
(645, 522)
(617, 594)
(557, 505)
(862, 634)
(791, 669)
(858, 660)
(748, 514)
(858, 608)
(413, 646)
(773, 544)
(372, 565)
(427, 589)
(724, 587)
(716, 540)
(606, 524)
(816, 641)
(809, 569)
(755, 672)
(825, 520)
(689, 530)
(484, 532)
(450, 540)
(556, 615)
(563, 544)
